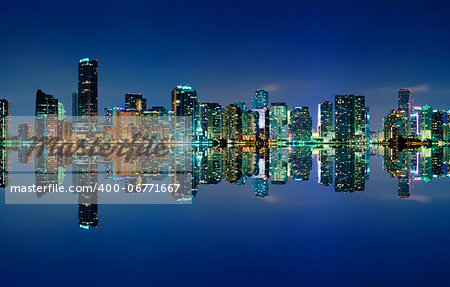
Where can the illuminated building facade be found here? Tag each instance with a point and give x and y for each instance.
(87, 88)
(301, 124)
(211, 120)
(232, 123)
(325, 119)
(260, 100)
(5, 119)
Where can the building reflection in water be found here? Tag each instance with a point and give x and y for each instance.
(345, 168)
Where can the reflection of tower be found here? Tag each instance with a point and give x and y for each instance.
(278, 167)
(5, 119)
(46, 169)
(232, 164)
(260, 186)
(300, 160)
(403, 187)
(350, 169)
(4, 167)
(181, 159)
(212, 167)
(260, 182)
(325, 167)
(85, 175)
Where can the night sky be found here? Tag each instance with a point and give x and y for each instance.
(302, 52)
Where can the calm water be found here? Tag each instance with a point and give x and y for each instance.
(284, 217)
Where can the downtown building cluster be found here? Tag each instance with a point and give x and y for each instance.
(345, 120)
(417, 122)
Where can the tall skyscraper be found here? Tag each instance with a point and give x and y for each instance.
(46, 121)
(395, 125)
(415, 121)
(46, 104)
(278, 119)
(437, 125)
(87, 88)
(211, 120)
(350, 117)
(260, 100)
(5, 119)
(404, 100)
(232, 123)
(325, 120)
(135, 102)
(75, 104)
(61, 111)
(426, 122)
(242, 106)
(185, 104)
(301, 124)
(250, 125)
(404, 104)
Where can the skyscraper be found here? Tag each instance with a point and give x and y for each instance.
(87, 88)
(260, 99)
(75, 104)
(395, 125)
(46, 121)
(301, 124)
(437, 125)
(211, 120)
(232, 123)
(350, 117)
(185, 104)
(404, 100)
(325, 120)
(135, 102)
(61, 111)
(5, 119)
(426, 122)
(278, 119)
(404, 104)
(46, 104)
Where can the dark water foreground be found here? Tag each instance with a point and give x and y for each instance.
(243, 217)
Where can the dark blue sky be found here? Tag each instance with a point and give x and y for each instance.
(303, 52)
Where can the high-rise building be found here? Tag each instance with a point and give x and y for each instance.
(211, 120)
(242, 106)
(415, 121)
(5, 119)
(61, 111)
(301, 124)
(367, 124)
(350, 117)
(75, 104)
(325, 120)
(426, 122)
(260, 100)
(437, 125)
(135, 102)
(404, 100)
(395, 125)
(249, 125)
(87, 88)
(232, 123)
(185, 104)
(46, 122)
(46, 104)
(360, 117)
(278, 119)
